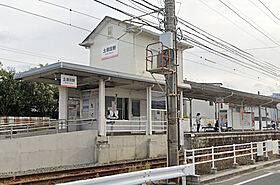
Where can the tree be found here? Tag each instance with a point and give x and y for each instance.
(21, 98)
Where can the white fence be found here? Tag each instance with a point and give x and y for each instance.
(26, 128)
(133, 126)
(235, 151)
(140, 177)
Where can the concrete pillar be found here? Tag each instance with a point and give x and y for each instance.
(63, 103)
(181, 118)
(101, 111)
(149, 124)
(191, 125)
(260, 118)
(242, 115)
(266, 116)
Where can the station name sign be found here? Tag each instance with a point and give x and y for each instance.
(68, 81)
(219, 100)
(109, 51)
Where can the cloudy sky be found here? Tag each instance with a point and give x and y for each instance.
(27, 40)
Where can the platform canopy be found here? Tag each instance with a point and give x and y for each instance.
(211, 91)
(88, 77)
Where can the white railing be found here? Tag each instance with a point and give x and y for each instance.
(159, 126)
(9, 130)
(132, 126)
(235, 151)
(140, 177)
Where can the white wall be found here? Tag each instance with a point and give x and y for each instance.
(47, 151)
(132, 52)
(202, 107)
(124, 62)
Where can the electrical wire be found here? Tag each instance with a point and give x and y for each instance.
(248, 22)
(225, 56)
(229, 20)
(44, 17)
(128, 14)
(17, 61)
(70, 9)
(253, 3)
(269, 10)
(258, 68)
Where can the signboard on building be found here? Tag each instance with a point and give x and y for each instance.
(278, 106)
(219, 100)
(109, 51)
(68, 81)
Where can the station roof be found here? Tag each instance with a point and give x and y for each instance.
(210, 91)
(88, 77)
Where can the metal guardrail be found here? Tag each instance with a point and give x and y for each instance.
(133, 126)
(247, 149)
(8, 130)
(140, 177)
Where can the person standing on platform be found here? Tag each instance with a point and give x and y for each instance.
(198, 119)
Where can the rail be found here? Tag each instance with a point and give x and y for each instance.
(141, 177)
(235, 151)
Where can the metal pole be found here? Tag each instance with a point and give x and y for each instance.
(191, 125)
(260, 118)
(266, 117)
(171, 88)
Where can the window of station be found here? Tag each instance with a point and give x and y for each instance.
(116, 108)
(136, 108)
(158, 100)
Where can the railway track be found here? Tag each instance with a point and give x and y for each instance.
(83, 173)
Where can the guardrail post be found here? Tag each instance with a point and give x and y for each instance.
(266, 150)
(185, 156)
(213, 169)
(252, 154)
(234, 165)
(278, 155)
(11, 132)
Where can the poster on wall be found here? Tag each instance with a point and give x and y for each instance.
(109, 51)
(247, 119)
(92, 108)
(223, 118)
(72, 109)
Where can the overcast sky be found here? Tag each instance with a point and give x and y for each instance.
(48, 41)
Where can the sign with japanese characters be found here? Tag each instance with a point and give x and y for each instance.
(68, 81)
(219, 100)
(109, 51)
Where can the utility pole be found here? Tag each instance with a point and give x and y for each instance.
(171, 87)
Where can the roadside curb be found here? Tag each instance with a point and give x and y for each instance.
(226, 174)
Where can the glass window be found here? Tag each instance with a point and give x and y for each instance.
(158, 100)
(136, 108)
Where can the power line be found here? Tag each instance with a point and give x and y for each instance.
(269, 10)
(70, 9)
(17, 61)
(128, 14)
(225, 56)
(44, 17)
(212, 61)
(222, 15)
(272, 73)
(248, 22)
(262, 11)
(247, 56)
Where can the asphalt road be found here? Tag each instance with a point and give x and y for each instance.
(266, 176)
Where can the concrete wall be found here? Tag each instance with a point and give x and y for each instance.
(47, 151)
(119, 148)
(201, 140)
